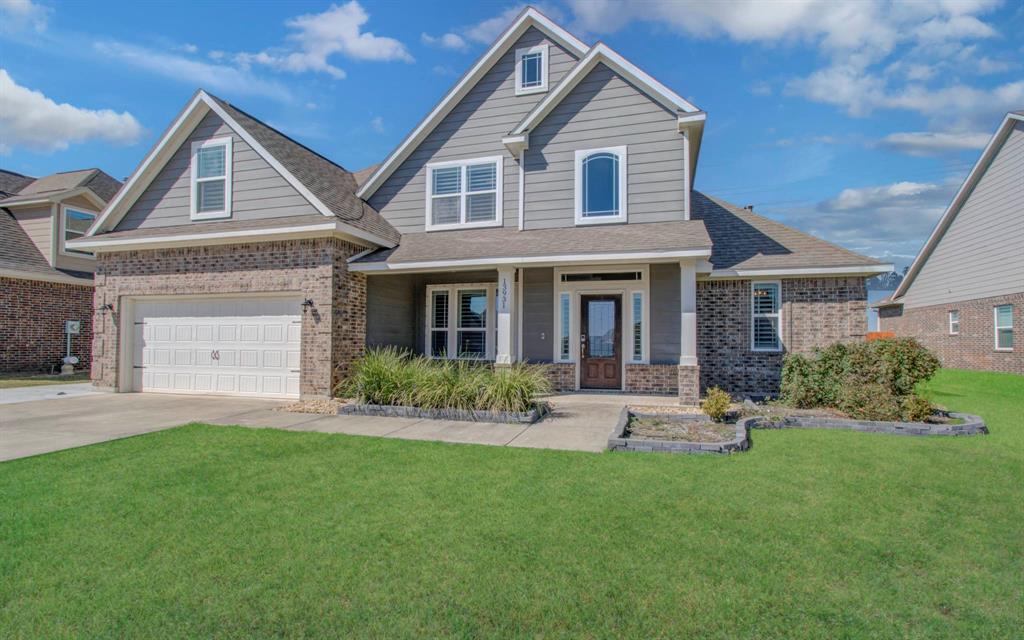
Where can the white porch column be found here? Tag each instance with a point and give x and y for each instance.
(506, 305)
(688, 313)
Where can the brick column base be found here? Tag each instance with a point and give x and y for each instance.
(689, 385)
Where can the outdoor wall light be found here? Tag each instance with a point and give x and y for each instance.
(307, 303)
(107, 307)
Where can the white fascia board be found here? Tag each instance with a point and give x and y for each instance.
(28, 203)
(550, 260)
(602, 53)
(60, 196)
(856, 270)
(45, 277)
(690, 119)
(173, 137)
(529, 17)
(959, 199)
(99, 245)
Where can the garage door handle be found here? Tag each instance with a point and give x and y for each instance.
(295, 371)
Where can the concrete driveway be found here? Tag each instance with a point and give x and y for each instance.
(55, 423)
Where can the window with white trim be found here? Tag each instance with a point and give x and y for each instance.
(464, 194)
(532, 70)
(460, 323)
(601, 185)
(75, 222)
(954, 322)
(766, 316)
(211, 179)
(638, 326)
(1003, 319)
(564, 340)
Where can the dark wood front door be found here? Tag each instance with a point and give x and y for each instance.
(600, 342)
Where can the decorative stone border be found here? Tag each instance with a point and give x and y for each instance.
(972, 425)
(619, 441)
(394, 411)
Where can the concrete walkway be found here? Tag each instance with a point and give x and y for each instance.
(579, 422)
(46, 392)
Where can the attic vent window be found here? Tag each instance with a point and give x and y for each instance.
(532, 70)
(211, 179)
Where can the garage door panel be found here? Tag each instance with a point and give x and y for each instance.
(239, 346)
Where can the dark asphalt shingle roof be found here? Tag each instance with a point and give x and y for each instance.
(11, 182)
(56, 183)
(334, 185)
(507, 242)
(744, 240)
(19, 253)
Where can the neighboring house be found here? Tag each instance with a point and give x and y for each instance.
(964, 294)
(541, 212)
(43, 281)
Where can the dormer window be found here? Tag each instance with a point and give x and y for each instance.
(74, 223)
(464, 193)
(601, 185)
(211, 179)
(532, 70)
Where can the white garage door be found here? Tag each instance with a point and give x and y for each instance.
(239, 346)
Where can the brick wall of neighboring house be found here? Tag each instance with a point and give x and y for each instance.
(974, 346)
(657, 379)
(333, 330)
(815, 312)
(32, 316)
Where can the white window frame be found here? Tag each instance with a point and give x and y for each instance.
(520, 54)
(622, 153)
(62, 224)
(996, 327)
(462, 224)
(489, 330)
(226, 142)
(753, 347)
(953, 332)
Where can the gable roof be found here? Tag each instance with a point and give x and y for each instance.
(20, 258)
(987, 156)
(60, 185)
(529, 17)
(327, 186)
(745, 243)
(11, 182)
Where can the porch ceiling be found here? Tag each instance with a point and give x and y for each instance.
(479, 246)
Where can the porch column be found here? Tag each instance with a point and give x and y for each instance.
(689, 371)
(506, 305)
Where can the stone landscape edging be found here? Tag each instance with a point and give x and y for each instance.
(466, 415)
(618, 441)
(972, 425)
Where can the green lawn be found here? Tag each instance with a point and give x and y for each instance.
(10, 381)
(208, 531)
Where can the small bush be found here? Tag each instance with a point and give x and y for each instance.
(390, 376)
(916, 408)
(798, 388)
(716, 405)
(906, 363)
(870, 401)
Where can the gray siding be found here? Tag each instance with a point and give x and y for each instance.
(605, 110)
(391, 311)
(665, 314)
(258, 190)
(982, 252)
(538, 314)
(473, 129)
(38, 225)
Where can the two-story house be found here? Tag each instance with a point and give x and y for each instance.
(44, 282)
(543, 211)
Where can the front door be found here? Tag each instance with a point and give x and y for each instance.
(600, 342)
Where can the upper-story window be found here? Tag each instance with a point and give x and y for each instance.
(464, 193)
(601, 185)
(211, 179)
(74, 223)
(532, 70)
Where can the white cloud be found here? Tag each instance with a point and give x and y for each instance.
(318, 36)
(377, 124)
(216, 77)
(21, 14)
(189, 48)
(761, 88)
(30, 119)
(451, 41)
(925, 143)
(886, 196)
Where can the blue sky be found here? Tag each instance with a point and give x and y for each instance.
(855, 121)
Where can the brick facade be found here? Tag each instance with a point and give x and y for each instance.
(815, 312)
(32, 315)
(655, 379)
(333, 329)
(689, 384)
(974, 346)
(562, 376)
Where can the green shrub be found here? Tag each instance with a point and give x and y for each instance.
(799, 389)
(391, 376)
(906, 363)
(870, 401)
(716, 404)
(916, 408)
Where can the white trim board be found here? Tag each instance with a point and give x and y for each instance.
(529, 17)
(16, 274)
(99, 244)
(989, 154)
(803, 271)
(596, 259)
